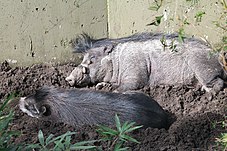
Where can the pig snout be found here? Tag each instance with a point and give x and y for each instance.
(70, 79)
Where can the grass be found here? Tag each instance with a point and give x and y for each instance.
(222, 140)
(6, 116)
(59, 143)
(119, 135)
(116, 137)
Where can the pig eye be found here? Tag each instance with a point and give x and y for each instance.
(92, 59)
(26, 106)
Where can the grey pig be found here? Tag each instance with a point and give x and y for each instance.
(147, 59)
(77, 107)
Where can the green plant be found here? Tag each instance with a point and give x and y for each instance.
(221, 46)
(181, 35)
(119, 135)
(199, 15)
(193, 2)
(171, 46)
(62, 142)
(5, 119)
(222, 140)
(156, 21)
(156, 5)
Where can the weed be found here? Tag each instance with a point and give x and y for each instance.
(5, 133)
(171, 46)
(156, 21)
(119, 135)
(222, 140)
(62, 142)
(193, 2)
(199, 15)
(156, 5)
(181, 35)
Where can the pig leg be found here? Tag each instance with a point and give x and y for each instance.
(131, 83)
(103, 85)
(209, 78)
(207, 70)
(214, 86)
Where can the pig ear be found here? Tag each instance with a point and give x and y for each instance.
(108, 49)
(43, 110)
(223, 60)
(84, 70)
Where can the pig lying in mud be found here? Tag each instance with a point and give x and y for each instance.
(77, 107)
(147, 60)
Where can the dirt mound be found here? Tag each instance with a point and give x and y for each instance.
(193, 112)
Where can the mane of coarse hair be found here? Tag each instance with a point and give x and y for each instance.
(41, 94)
(82, 43)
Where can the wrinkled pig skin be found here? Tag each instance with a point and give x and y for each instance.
(78, 107)
(148, 59)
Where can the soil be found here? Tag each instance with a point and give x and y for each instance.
(196, 116)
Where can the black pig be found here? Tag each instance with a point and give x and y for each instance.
(77, 107)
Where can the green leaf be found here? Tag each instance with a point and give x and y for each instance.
(224, 39)
(110, 133)
(156, 21)
(186, 22)
(127, 125)
(107, 130)
(86, 142)
(67, 141)
(133, 128)
(126, 137)
(154, 8)
(13, 133)
(6, 102)
(58, 143)
(41, 138)
(225, 48)
(123, 149)
(32, 146)
(4, 123)
(199, 16)
(224, 138)
(82, 147)
(49, 138)
(181, 35)
(61, 137)
(118, 146)
(156, 5)
(118, 123)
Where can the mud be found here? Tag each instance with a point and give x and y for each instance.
(196, 115)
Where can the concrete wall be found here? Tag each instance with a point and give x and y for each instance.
(34, 31)
(130, 16)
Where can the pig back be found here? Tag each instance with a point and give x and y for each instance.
(78, 107)
(150, 64)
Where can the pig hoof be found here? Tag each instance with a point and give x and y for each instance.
(204, 88)
(103, 86)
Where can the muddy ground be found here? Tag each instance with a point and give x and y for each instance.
(196, 115)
